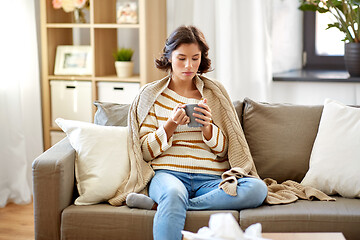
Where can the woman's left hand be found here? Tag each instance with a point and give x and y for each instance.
(205, 119)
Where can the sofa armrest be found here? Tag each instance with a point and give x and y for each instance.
(53, 186)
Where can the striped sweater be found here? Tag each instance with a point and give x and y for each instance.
(187, 150)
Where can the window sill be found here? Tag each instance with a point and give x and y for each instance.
(315, 76)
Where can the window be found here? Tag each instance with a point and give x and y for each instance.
(323, 49)
(328, 42)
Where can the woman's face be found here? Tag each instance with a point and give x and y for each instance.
(185, 61)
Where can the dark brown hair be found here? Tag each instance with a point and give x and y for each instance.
(184, 35)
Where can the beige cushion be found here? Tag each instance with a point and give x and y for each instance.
(342, 215)
(280, 137)
(335, 157)
(102, 161)
(104, 221)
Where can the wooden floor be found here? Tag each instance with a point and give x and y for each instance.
(17, 222)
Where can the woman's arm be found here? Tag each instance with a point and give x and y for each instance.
(212, 135)
(218, 143)
(204, 119)
(154, 139)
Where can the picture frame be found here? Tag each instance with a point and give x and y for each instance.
(126, 12)
(73, 60)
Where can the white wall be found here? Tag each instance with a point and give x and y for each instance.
(314, 93)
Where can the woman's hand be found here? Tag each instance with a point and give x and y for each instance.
(205, 119)
(178, 115)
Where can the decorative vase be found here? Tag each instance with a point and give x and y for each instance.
(124, 69)
(352, 59)
(79, 16)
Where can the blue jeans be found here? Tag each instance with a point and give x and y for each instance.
(177, 192)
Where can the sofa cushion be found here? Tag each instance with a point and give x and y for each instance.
(239, 109)
(342, 215)
(280, 137)
(111, 114)
(337, 139)
(101, 163)
(103, 221)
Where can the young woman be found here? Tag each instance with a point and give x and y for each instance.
(189, 161)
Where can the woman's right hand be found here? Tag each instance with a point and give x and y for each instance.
(178, 115)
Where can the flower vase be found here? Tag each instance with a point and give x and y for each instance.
(79, 16)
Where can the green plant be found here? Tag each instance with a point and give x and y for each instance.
(346, 12)
(123, 54)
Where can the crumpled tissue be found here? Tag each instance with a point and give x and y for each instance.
(223, 226)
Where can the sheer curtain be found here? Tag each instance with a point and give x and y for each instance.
(20, 110)
(243, 35)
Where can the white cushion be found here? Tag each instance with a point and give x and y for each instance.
(102, 161)
(335, 157)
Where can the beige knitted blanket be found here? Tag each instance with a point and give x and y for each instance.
(225, 117)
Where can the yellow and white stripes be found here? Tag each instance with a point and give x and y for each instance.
(187, 150)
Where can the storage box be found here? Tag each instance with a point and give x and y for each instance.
(117, 92)
(71, 100)
(56, 136)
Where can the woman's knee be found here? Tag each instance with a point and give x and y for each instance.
(175, 196)
(257, 191)
(166, 187)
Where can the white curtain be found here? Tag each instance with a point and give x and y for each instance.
(286, 35)
(243, 36)
(20, 110)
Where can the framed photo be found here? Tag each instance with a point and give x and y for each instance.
(126, 12)
(73, 60)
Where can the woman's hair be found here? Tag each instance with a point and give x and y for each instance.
(184, 35)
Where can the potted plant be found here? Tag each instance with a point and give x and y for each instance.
(347, 14)
(123, 64)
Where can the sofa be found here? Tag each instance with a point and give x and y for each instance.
(280, 137)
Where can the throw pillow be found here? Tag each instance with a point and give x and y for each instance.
(280, 138)
(111, 114)
(239, 109)
(102, 161)
(335, 157)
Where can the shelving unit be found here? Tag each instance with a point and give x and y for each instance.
(102, 34)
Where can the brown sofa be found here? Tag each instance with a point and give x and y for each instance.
(280, 138)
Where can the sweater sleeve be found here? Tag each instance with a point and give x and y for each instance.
(153, 137)
(217, 143)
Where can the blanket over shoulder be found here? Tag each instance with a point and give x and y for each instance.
(225, 117)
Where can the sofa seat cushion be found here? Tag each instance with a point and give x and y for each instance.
(342, 215)
(103, 221)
